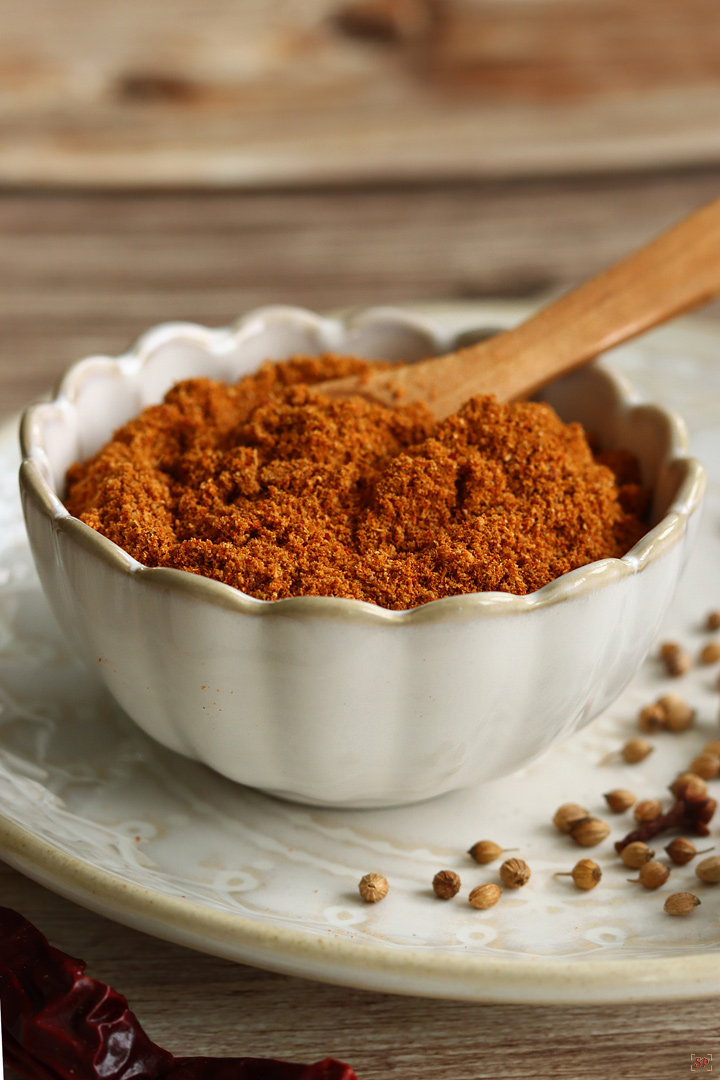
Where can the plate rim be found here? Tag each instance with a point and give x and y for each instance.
(410, 971)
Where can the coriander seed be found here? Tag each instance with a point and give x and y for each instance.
(487, 851)
(709, 870)
(651, 719)
(446, 884)
(679, 716)
(651, 875)
(568, 815)
(585, 874)
(636, 750)
(681, 903)
(713, 620)
(706, 766)
(688, 785)
(485, 896)
(677, 660)
(713, 747)
(681, 851)
(373, 887)
(620, 800)
(515, 873)
(647, 810)
(590, 831)
(636, 854)
(710, 653)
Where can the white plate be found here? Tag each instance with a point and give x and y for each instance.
(92, 808)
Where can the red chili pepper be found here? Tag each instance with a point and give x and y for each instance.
(59, 1024)
(691, 813)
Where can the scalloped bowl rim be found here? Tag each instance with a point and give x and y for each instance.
(216, 341)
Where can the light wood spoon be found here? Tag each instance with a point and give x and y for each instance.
(678, 271)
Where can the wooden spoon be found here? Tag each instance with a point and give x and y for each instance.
(678, 271)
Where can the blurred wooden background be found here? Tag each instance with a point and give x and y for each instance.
(189, 160)
(258, 92)
(83, 272)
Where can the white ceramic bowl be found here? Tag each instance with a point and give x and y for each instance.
(340, 702)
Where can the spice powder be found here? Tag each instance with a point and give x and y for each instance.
(278, 490)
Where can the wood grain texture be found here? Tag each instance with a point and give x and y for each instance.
(81, 274)
(561, 51)
(180, 92)
(197, 1004)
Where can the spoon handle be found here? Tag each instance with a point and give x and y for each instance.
(677, 271)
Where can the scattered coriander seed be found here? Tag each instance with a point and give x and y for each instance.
(681, 903)
(706, 766)
(668, 648)
(485, 896)
(487, 851)
(446, 884)
(636, 750)
(585, 873)
(636, 854)
(568, 815)
(651, 875)
(620, 800)
(651, 719)
(710, 653)
(373, 887)
(713, 747)
(713, 620)
(678, 714)
(681, 851)
(515, 873)
(590, 831)
(676, 659)
(709, 870)
(647, 809)
(689, 784)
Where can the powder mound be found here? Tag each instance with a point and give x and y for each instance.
(278, 490)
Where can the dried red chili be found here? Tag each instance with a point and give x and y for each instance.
(59, 1024)
(689, 814)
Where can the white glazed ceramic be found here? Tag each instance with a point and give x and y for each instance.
(93, 808)
(339, 702)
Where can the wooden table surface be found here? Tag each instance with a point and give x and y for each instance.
(83, 273)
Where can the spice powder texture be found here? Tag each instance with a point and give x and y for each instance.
(280, 491)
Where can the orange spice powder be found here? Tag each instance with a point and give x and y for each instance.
(280, 491)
